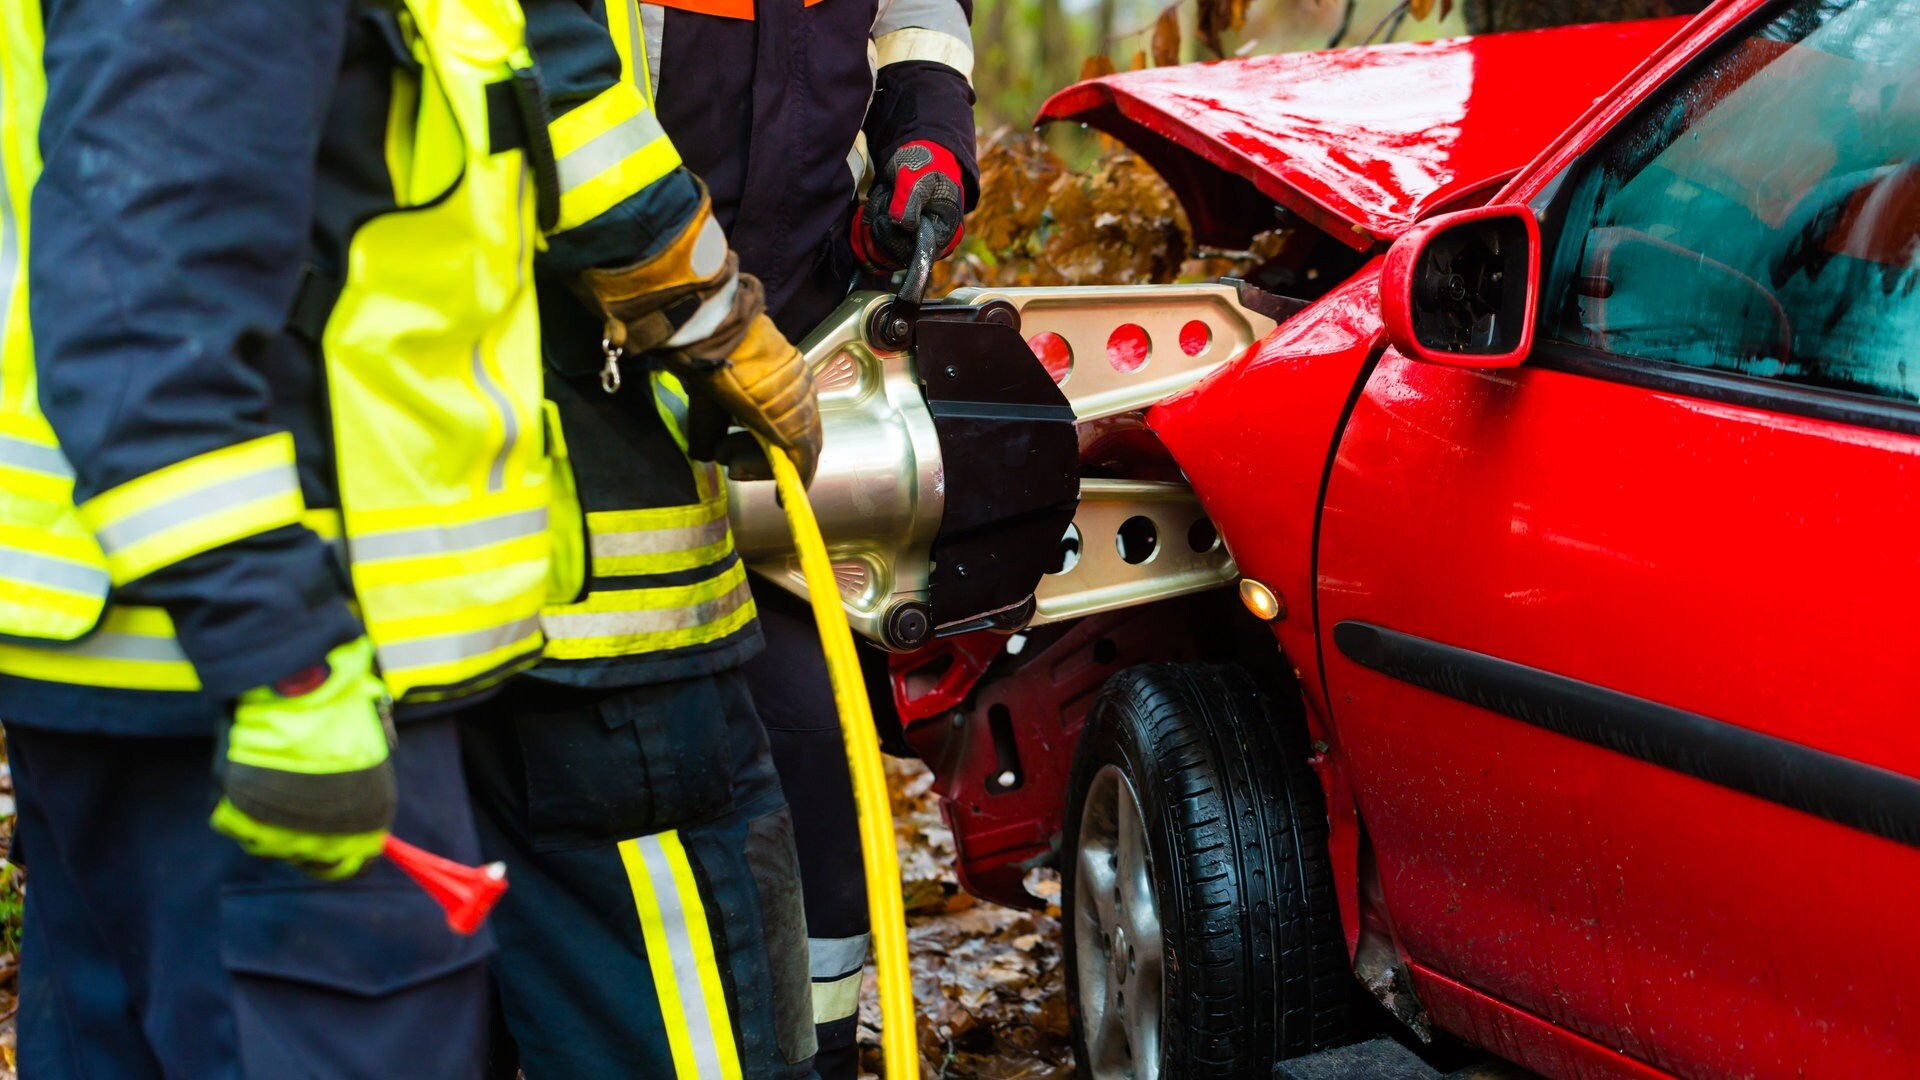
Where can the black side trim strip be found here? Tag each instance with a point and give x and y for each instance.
(1845, 792)
(1857, 408)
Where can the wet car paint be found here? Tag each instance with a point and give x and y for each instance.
(1575, 909)
(1363, 142)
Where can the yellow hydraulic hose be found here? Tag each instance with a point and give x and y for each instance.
(898, 1040)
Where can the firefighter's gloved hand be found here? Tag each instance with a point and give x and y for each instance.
(307, 773)
(921, 180)
(707, 322)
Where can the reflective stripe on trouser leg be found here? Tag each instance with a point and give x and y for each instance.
(680, 951)
(836, 965)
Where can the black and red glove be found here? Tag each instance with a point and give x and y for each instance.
(921, 181)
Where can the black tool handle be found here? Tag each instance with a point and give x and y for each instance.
(913, 288)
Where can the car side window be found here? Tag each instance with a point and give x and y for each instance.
(1764, 217)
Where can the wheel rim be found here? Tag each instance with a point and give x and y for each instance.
(1117, 939)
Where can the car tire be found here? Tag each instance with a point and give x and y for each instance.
(1225, 855)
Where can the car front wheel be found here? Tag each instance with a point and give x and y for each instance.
(1202, 930)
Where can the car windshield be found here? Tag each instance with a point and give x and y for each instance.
(1763, 216)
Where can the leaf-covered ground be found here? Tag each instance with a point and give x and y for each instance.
(988, 985)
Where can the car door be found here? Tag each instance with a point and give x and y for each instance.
(1622, 641)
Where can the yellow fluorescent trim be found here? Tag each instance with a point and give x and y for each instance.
(633, 174)
(324, 523)
(660, 517)
(705, 961)
(668, 562)
(137, 560)
(457, 621)
(667, 596)
(49, 666)
(366, 521)
(461, 673)
(594, 117)
(600, 648)
(62, 666)
(36, 599)
(436, 568)
(196, 505)
(80, 548)
(653, 931)
(186, 478)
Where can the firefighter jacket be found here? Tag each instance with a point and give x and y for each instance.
(667, 596)
(780, 105)
(250, 407)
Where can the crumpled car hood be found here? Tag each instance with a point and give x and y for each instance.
(1360, 142)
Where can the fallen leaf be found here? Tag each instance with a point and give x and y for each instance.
(1166, 38)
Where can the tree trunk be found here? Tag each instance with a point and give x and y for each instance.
(1103, 25)
(1057, 66)
(1484, 16)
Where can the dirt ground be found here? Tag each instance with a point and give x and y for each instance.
(988, 983)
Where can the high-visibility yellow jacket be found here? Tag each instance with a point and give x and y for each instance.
(208, 501)
(667, 596)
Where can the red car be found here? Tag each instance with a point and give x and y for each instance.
(1581, 499)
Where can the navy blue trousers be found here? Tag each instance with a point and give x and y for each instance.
(153, 947)
(654, 926)
(795, 700)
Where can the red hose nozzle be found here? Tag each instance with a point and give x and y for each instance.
(467, 893)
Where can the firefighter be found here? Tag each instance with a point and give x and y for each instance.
(780, 106)
(654, 926)
(272, 453)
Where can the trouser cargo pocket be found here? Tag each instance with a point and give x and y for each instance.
(633, 762)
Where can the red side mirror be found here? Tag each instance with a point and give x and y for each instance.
(1461, 288)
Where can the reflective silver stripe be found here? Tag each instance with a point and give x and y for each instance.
(653, 22)
(837, 957)
(33, 457)
(115, 645)
(836, 1000)
(30, 568)
(637, 55)
(681, 951)
(709, 317)
(274, 481)
(607, 149)
(451, 648)
(509, 423)
(606, 624)
(709, 255)
(675, 405)
(941, 16)
(656, 541)
(448, 539)
(9, 253)
(857, 159)
(920, 43)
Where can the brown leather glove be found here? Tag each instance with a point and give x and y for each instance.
(690, 305)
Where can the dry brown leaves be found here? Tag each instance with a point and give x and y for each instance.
(1216, 17)
(987, 981)
(1166, 38)
(1114, 222)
